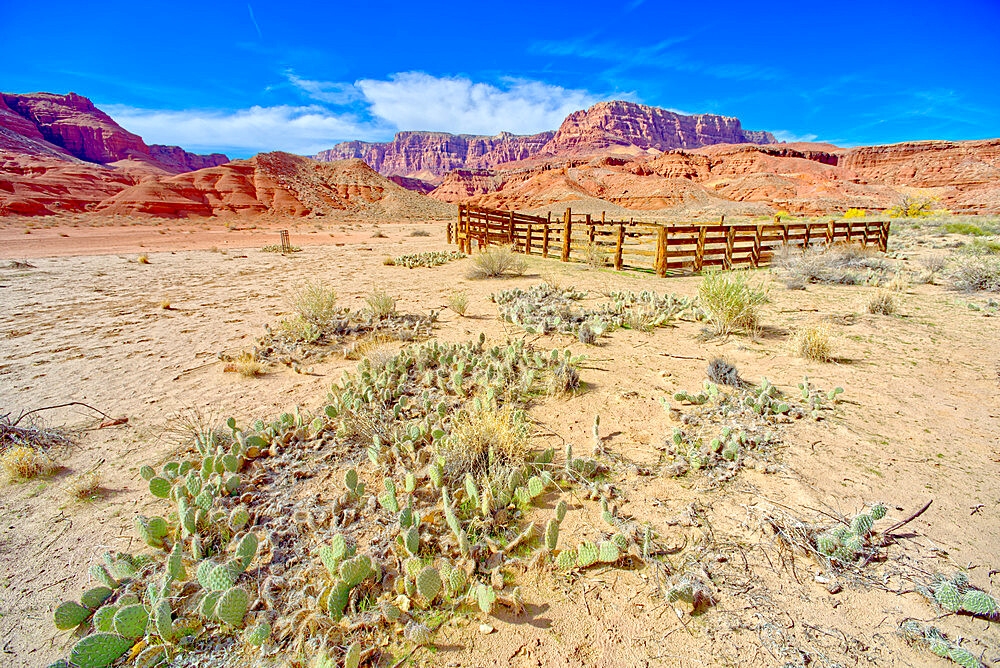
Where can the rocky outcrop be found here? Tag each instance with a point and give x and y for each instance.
(38, 185)
(606, 128)
(431, 154)
(278, 184)
(72, 125)
(410, 183)
(927, 164)
(626, 127)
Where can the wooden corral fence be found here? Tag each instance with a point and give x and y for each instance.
(661, 247)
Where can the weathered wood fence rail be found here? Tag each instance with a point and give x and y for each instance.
(661, 247)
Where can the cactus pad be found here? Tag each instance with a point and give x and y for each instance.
(239, 517)
(947, 596)
(95, 598)
(259, 633)
(99, 649)
(70, 614)
(418, 634)
(536, 486)
(411, 541)
(356, 569)
(561, 509)
(232, 606)
(963, 657)
(429, 583)
(159, 487)
(587, 555)
(486, 597)
(163, 620)
(130, 621)
(979, 603)
(337, 599)
(104, 618)
(608, 552)
(826, 544)
(551, 534)
(862, 524)
(878, 511)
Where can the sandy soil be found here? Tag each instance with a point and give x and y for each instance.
(919, 421)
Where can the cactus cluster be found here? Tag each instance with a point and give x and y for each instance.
(931, 638)
(749, 417)
(956, 594)
(846, 545)
(544, 309)
(429, 259)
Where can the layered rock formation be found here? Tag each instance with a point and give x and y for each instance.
(71, 124)
(605, 128)
(278, 184)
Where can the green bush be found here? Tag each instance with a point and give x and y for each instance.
(731, 300)
(962, 228)
(315, 303)
(497, 261)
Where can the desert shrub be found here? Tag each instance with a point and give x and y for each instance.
(844, 264)
(389, 262)
(378, 234)
(297, 328)
(429, 259)
(315, 303)
(731, 299)
(458, 303)
(277, 248)
(484, 440)
(912, 207)
(165, 304)
(420, 233)
(981, 247)
(380, 304)
(723, 372)
(595, 256)
(962, 228)
(24, 462)
(855, 213)
(84, 487)
(898, 283)
(881, 302)
(246, 365)
(813, 342)
(497, 261)
(975, 272)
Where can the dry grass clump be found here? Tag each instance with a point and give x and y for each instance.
(246, 365)
(380, 304)
(813, 342)
(975, 272)
(898, 283)
(389, 262)
(84, 487)
(484, 441)
(561, 380)
(497, 261)
(731, 300)
(595, 256)
(844, 264)
(881, 302)
(458, 303)
(165, 304)
(315, 303)
(24, 462)
(723, 372)
(142, 259)
(420, 233)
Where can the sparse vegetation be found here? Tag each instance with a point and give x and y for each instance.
(975, 272)
(315, 303)
(278, 248)
(912, 207)
(420, 233)
(967, 229)
(855, 213)
(246, 364)
(595, 256)
(458, 302)
(497, 261)
(430, 259)
(838, 264)
(380, 304)
(813, 341)
(23, 462)
(84, 487)
(881, 302)
(731, 301)
(142, 259)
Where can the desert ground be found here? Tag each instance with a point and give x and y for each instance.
(139, 320)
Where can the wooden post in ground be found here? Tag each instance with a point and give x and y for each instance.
(618, 246)
(883, 240)
(722, 219)
(730, 244)
(448, 233)
(699, 251)
(829, 232)
(849, 230)
(567, 233)
(602, 217)
(527, 240)
(784, 234)
(661, 251)
(590, 230)
(545, 241)
(757, 240)
(510, 230)
(805, 242)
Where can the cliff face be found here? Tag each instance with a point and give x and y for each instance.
(633, 128)
(927, 164)
(45, 123)
(436, 153)
(606, 128)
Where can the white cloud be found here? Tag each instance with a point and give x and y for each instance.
(785, 135)
(419, 101)
(332, 92)
(302, 129)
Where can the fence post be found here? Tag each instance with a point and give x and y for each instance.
(784, 234)
(510, 230)
(448, 233)
(722, 219)
(699, 251)
(805, 242)
(661, 251)
(567, 232)
(850, 225)
(527, 240)
(602, 216)
(730, 243)
(590, 230)
(829, 232)
(883, 242)
(757, 239)
(545, 241)
(618, 246)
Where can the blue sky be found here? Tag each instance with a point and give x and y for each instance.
(242, 77)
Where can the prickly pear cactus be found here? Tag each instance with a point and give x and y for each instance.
(258, 634)
(552, 534)
(947, 596)
(980, 603)
(232, 606)
(429, 584)
(99, 649)
(131, 620)
(486, 597)
(70, 614)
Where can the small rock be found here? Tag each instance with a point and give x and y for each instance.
(834, 588)
(486, 629)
